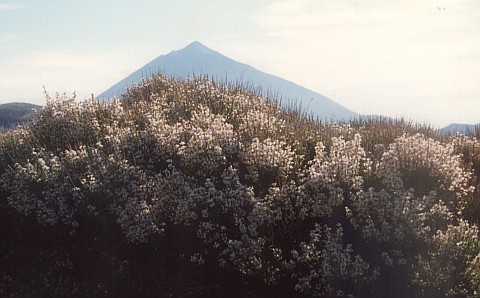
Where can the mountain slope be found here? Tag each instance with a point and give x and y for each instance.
(460, 128)
(12, 114)
(196, 59)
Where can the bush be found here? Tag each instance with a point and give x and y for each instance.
(191, 188)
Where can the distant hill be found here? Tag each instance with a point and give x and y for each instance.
(197, 59)
(460, 128)
(12, 114)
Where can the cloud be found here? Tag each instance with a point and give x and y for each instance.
(11, 6)
(394, 52)
(63, 70)
(98, 62)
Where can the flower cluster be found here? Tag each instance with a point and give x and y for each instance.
(255, 190)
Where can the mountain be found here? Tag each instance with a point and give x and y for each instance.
(197, 59)
(12, 114)
(460, 128)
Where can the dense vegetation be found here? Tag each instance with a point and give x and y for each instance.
(197, 189)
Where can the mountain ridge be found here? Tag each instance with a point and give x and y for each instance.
(15, 113)
(197, 59)
(461, 128)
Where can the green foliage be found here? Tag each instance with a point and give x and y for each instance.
(191, 188)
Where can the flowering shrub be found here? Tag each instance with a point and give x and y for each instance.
(185, 179)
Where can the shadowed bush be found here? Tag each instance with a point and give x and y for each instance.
(196, 189)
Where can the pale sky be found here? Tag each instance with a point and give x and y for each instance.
(400, 58)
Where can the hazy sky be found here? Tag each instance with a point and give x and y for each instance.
(410, 58)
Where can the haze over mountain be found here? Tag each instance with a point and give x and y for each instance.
(196, 59)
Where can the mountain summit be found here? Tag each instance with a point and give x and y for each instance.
(198, 47)
(197, 59)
